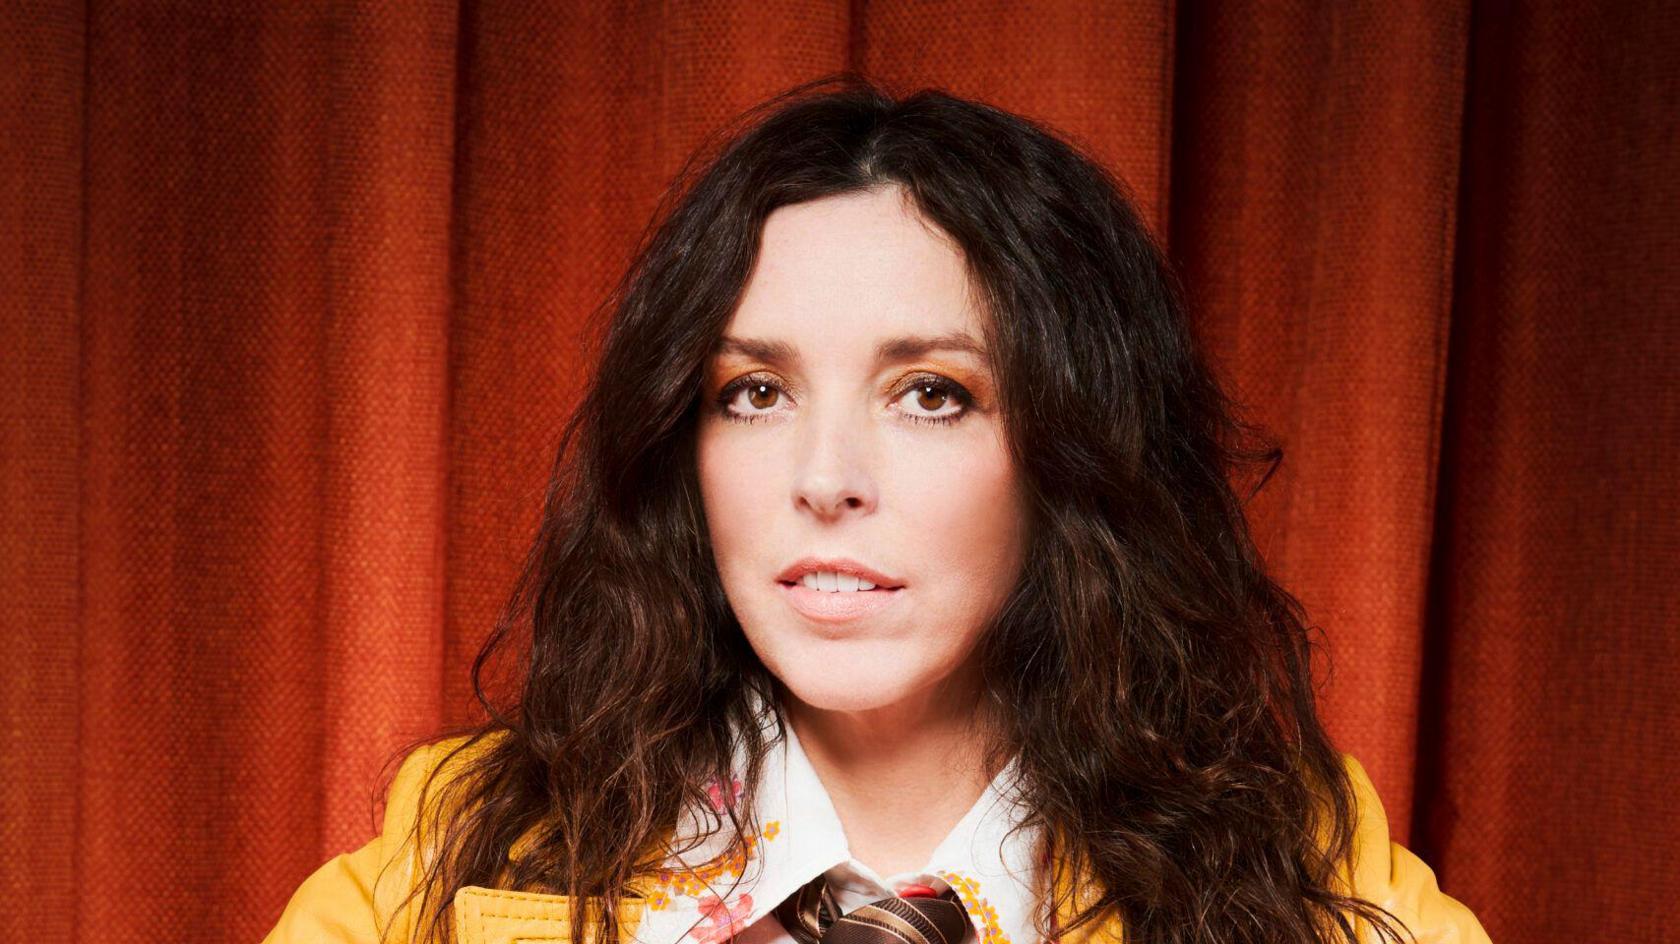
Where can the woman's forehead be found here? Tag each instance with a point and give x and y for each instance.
(863, 269)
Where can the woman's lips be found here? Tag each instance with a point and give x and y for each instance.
(838, 606)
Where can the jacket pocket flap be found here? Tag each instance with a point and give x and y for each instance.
(500, 916)
(503, 916)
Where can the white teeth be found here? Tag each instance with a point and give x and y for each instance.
(833, 582)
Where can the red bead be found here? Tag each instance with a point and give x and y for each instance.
(917, 891)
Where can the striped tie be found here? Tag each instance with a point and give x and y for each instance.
(813, 916)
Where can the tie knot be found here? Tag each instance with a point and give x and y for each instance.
(918, 916)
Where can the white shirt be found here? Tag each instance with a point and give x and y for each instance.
(996, 876)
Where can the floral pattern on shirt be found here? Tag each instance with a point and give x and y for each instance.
(720, 918)
(720, 915)
(968, 889)
(722, 800)
(699, 881)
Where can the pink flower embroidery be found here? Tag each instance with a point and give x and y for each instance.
(721, 918)
(720, 802)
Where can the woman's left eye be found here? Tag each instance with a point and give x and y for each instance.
(943, 400)
(934, 393)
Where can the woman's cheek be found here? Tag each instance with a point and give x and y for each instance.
(967, 498)
(738, 497)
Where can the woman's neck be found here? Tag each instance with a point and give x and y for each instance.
(900, 776)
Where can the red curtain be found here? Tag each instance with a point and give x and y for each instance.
(293, 295)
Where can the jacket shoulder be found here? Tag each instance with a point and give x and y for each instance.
(1392, 876)
(363, 896)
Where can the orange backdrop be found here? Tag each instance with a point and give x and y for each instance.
(293, 295)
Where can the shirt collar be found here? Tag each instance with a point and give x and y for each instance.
(994, 871)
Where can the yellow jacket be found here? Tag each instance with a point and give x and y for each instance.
(342, 901)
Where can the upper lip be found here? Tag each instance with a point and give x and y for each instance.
(842, 565)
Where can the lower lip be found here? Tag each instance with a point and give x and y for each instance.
(838, 606)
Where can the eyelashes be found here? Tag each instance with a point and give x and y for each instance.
(920, 382)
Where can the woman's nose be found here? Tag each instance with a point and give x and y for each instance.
(835, 466)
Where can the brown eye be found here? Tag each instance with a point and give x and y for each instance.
(933, 393)
(930, 396)
(762, 394)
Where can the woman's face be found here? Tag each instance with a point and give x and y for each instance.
(850, 416)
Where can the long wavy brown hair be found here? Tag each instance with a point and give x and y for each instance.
(1153, 680)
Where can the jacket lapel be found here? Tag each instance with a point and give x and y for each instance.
(1106, 929)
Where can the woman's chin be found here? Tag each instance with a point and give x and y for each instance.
(828, 687)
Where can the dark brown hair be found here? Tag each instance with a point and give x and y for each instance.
(1154, 682)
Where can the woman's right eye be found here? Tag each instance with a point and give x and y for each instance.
(760, 395)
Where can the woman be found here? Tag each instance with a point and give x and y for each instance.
(897, 588)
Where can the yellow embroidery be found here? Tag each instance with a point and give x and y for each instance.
(701, 879)
(968, 889)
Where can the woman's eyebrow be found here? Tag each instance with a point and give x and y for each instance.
(901, 348)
